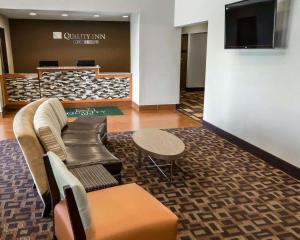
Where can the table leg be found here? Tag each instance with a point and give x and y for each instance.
(171, 170)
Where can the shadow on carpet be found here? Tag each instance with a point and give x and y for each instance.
(219, 192)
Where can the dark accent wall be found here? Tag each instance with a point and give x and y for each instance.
(32, 41)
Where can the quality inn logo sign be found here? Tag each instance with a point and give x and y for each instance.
(80, 38)
(57, 35)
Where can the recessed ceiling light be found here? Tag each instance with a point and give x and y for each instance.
(96, 15)
(125, 16)
(65, 15)
(32, 14)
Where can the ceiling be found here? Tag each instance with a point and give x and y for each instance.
(57, 15)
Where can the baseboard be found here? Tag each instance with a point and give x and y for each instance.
(126, 103)
(256, 151)
(86, 103)
(195, 89)
(154, 108)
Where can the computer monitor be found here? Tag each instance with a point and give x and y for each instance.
(86, 63)
(48, 64)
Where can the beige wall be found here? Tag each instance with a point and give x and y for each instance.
(252, 94)
(4, 24)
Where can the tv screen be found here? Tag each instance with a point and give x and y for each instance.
(250, 24)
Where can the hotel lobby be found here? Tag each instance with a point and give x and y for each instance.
(105, 133)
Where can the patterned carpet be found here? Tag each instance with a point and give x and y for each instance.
(21, 208)
(191, 104)
(219, 192)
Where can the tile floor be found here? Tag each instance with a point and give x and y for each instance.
(192, 104)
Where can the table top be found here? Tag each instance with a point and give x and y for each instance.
(159, 144)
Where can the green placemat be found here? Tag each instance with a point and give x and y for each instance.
(93, 111)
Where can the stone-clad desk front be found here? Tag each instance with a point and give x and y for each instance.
(68, 84)
(65, 69)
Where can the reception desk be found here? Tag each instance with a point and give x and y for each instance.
(71, 85)
(95, 70)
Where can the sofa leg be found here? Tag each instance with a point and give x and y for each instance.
(47, 205)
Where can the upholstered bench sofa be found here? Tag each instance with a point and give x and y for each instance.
(74, 146)
(43, 126)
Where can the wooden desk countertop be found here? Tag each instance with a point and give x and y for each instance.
(68, 68)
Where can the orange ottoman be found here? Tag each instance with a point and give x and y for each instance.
(126, 212)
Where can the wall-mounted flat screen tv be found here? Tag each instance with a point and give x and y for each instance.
(250, 24)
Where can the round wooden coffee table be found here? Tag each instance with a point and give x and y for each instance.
(160, 145)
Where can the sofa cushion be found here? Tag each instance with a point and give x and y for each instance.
(82, 155)
(64, 178)
(94, 130)
(91, 123)
(91, 119)
(59, 111)
(82, 137)
(127, 212)
(48, 131)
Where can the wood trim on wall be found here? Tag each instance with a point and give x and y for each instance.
(256, 151)
(21, 75)
(153, 108)
(97, 103)
(79, 103)
(110, 75)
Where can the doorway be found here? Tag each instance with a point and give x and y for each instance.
(3, 52)
(184, 55)
(193, 71)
